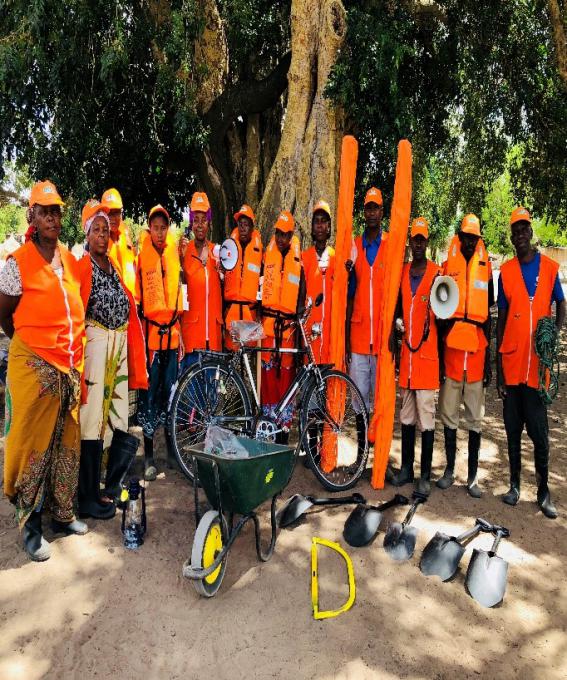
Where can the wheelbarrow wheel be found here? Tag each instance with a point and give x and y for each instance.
(207, 544)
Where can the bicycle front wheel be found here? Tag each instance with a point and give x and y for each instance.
(337, 435)
(210, 393)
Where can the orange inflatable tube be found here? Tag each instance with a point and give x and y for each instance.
(343, 243)
(382, 425)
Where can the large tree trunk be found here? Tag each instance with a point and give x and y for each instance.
(558, 18)
(306, 166)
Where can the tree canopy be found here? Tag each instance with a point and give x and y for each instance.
(163, 97)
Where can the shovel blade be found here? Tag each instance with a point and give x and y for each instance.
(399, 541)
(292, 510)
(486, 578)
(441, 556)
(362, 526)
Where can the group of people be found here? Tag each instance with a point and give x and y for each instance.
(83, 333)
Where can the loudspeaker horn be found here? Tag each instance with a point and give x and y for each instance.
(444, 297)
(228, 254)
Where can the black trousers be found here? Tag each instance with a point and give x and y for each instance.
(524, 407)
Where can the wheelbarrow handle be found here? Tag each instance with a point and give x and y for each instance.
(356, 498)
(398, 499)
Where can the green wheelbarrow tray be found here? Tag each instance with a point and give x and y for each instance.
(244, 483)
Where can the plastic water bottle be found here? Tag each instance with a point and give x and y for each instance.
(134, 515)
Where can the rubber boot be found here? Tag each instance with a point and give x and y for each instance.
(68, 528)
(515, 459)
(451, 453)
(405, 475)
(474, 449)
(543, 496)
(150, 470)
(120, 456)
(90, 504)
(172, 463)
(424, 485)
(282, 438)
(35, 545)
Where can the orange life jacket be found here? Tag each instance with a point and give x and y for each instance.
(519, 360)
(50, 316)
(137, 369)
(472, 277)
(320, 282)
(124, 259)
(201, 325)
(158, 287)
(367, 298)
(419, 370)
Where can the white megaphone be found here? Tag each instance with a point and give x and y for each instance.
(228, 254)
(444, 297)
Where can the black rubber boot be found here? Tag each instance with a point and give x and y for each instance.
(35, 545)
(543, 496)
(451, 453)
(90, 504)
(68, 528)
(150, 470)
(474, 449)
(423, 484)
(282, 438)
(515, 459)
(172, 463)
(405, 475)
(120, 456)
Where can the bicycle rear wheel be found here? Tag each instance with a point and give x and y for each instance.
(337, 437)
(210, 393)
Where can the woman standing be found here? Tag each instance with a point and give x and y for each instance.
(42, 312)
(114, 361)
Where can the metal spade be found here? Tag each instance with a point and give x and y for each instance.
(487, 573)
(441, 556)
(297, 505)
(364, 521)
(399, 541)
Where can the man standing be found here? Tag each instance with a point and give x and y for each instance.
(419, 363)
(319, 268)
(120, 249)
(466, 354)
(528, 285)
(241, 284)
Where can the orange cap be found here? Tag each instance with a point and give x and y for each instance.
(285, 221)
(373, 195)
(199, 202)
(420, 227)
(520, 214)
(44, 193)
(470, 225)
(112, 199)
(90, 209)
(245, 211)
(324, 206)
(158, 209)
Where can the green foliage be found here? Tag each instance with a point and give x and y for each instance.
(548, 233)
(495, 216)
(12, 220)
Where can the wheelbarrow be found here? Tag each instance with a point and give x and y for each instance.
(233, 486)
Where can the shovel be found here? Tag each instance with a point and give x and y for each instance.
(487, 573)
(363, 522)
(297, 505)
(441, 556)
(399, 541)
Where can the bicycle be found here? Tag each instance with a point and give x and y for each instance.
(213, 392)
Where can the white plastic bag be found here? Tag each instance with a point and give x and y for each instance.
(223, 442)
(246, 331)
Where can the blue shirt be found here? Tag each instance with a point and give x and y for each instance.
(371, 251)
(530, 274)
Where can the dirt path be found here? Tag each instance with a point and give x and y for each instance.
(97, 610)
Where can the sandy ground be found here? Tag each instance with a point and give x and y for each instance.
(97, 610)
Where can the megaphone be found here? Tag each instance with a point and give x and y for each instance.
(228, 254)
(444, 297)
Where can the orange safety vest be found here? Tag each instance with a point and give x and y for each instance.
(419, 370)
(318, 282)
(50, 316)
(242, 283)
(367, 298)
(201, 325)
(519, 360)
(158, 287)
(124, 259)
(137, 368)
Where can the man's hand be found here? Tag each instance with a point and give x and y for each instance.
(487, 378)
(348, 355)
(183, 243)
(348, 265)
(500, 385)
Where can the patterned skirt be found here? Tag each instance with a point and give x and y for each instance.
(42, 450)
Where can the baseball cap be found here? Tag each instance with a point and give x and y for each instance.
(158, 209)
(285, 221)
(470, 225)
(520, 214)
(420, 227)
(44, 193)
(373, 195)
(324, 206)
(200, 202)
(245, 211)
(90, 209)
(112, 199)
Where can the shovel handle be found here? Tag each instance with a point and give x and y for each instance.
(501, 533)
(470, 533)
(411, 511)
(398, 499)
(342, 500)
